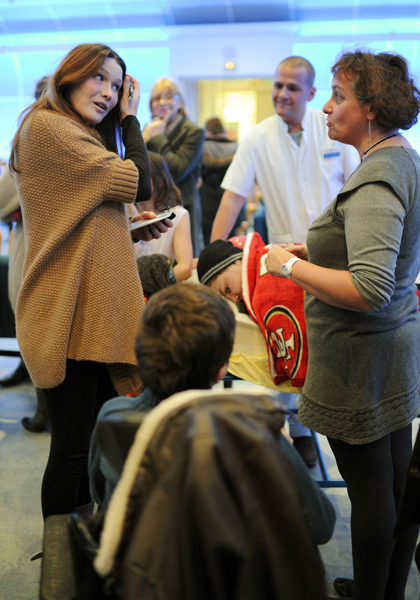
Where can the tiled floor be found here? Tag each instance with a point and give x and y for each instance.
(22, 460)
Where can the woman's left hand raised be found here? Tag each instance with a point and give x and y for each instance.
(156, 126)
(151, 232)
(129, 106)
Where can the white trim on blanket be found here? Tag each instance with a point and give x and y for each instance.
(245, 285)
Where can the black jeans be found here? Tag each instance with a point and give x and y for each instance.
(375, 474)
(72, 409)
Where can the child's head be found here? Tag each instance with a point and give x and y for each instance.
(220, 267)
(164, 191)
(184, 340)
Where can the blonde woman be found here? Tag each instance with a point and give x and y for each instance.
(180, 141)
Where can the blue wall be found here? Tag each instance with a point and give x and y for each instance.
(21, 69)
(188, 53)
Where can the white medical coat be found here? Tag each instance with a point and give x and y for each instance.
(297, 182)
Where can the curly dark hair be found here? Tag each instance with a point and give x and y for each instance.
(384, 82)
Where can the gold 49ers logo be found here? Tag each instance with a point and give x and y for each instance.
(284, 337)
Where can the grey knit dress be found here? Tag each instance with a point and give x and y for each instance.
(364, 367)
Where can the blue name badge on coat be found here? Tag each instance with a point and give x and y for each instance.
(331, 153)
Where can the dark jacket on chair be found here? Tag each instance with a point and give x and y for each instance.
(214, 511)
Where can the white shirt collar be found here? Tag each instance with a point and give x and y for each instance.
(284, 126)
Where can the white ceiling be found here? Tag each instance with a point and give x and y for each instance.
(27, 16)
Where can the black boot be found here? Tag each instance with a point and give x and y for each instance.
(40, 419)
(36, 424)
(19, 375)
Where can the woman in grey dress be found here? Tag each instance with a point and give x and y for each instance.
(358, 269)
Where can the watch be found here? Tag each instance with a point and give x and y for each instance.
(287, 267)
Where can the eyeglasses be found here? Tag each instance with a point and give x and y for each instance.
(166, 97)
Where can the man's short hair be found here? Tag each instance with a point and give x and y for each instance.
(298, 62)
(185, 336)
(214, 126)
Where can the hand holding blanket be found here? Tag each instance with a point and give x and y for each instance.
(277, 306)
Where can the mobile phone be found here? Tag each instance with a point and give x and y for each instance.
(130, 91)
(167, 213)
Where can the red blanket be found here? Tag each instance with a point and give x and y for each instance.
(276, 304)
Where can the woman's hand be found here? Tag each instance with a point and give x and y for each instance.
(332, 287)
(277, 256)
(151, 232)
(129, 106)
(299, 250)
(156, 126)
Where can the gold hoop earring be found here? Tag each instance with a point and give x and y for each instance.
(370, 139)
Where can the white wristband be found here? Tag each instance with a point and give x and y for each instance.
(287, 267)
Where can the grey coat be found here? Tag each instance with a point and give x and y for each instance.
(182, 149)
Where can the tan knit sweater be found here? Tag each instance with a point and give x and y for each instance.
(81, 296)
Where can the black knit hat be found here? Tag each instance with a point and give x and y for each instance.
(215, 258)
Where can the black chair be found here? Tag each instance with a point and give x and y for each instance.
(247, 535)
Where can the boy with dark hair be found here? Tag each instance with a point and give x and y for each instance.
(184, 341)
(238, 272)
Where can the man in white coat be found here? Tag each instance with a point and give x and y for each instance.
(299, 171)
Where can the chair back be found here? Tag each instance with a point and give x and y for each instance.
(210, 506)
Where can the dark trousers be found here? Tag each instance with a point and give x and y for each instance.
(375, 474)
(72, 409)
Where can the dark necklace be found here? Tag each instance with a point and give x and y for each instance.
(379, 142)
